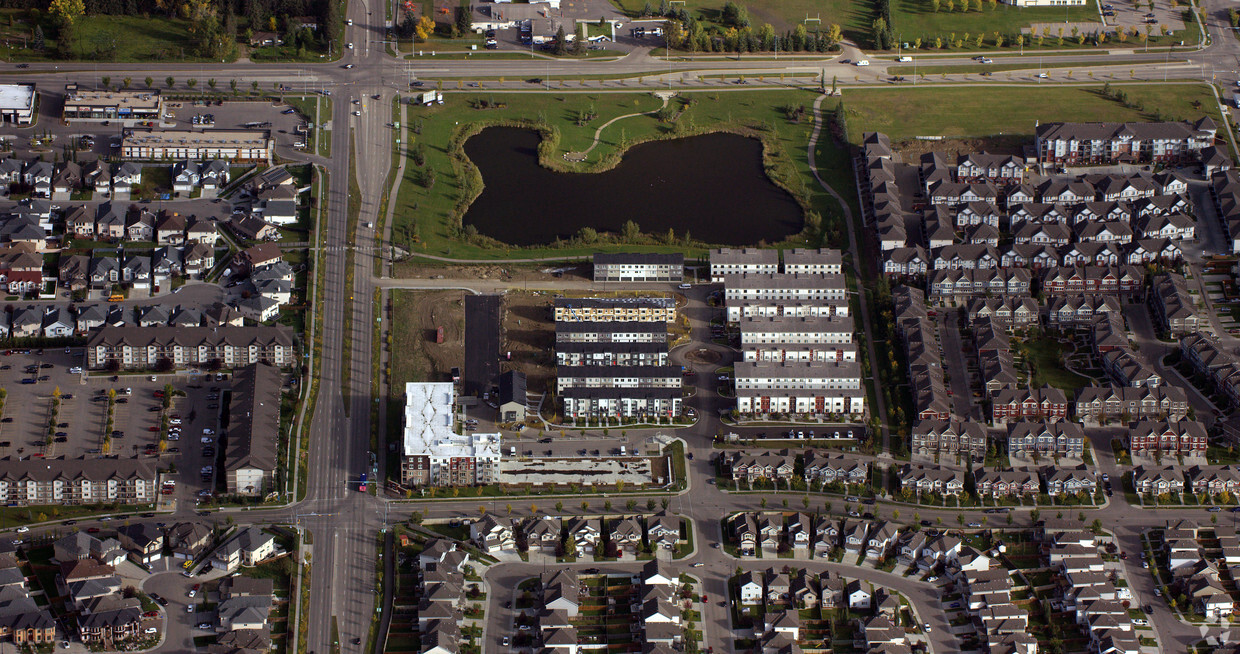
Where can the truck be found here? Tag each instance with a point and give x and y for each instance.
(429, 98)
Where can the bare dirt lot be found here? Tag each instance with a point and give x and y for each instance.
(416, 317)
(416, 269)
(912, 150)
(530, 333)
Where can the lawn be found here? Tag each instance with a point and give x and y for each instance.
(903, 113)
(425, 217)
(853, 17)
(914, 19)
(108, 38)
(1046, 355)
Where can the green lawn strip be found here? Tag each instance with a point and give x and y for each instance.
(903, 113)
(313, 108)
(121, 38)
(425, 217)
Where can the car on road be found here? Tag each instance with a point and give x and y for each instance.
(1214, 509)
(862, 62)
(23, 529)
(854, 514)
(205, 625)
(975, 525)
(926, 627)
(925, 523)
(590, 571)
(1043, 76)
(349, 45)
(504, 640)
(932, 578)
(349, 22)
(986, 60)
(158, 600)
(698, 564)
(852, 498)
(1157, 592)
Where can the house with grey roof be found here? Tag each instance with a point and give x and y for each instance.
(254, 410)
(249, 547)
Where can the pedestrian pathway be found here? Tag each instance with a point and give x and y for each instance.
(581, 156)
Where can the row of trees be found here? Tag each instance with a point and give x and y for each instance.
(683, 31)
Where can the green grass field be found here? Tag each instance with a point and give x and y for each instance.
(105, 38)
(853, 17)
(917, 19)
(903, 113)
(423, 216)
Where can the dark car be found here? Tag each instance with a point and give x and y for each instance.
(158, 600)
(925, 523)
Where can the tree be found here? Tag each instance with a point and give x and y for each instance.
(560, 46)
(149, 81)
(126, 82)
(107, 81)
(170, 81)
(630, 231)
(424, 28)
(211, 83)
(233, 85)
(66, 11)
(559, 507)
(464, 19)
(482, 511)
(38, 42)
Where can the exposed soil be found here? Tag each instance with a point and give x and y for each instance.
(417, 315)
(951, 148)
(703, 356)
(511, 272)
(530, 335)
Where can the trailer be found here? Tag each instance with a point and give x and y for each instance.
(429, 98)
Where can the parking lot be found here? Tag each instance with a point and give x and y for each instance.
(228, 114)
(1127, 15)
(81, 422)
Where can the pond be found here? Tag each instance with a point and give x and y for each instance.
(712, 186)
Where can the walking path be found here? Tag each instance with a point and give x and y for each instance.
(880, 409)
(581, 156)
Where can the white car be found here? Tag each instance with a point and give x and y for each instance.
(904, 58)
(208, 431)
(1043, 76)
(349, 46)
(207, 440)
(698, 564)
(349, 22)
(862, 62)
(23, 529)
(932, 578)
(927, 627)
(357, 113)
(193, 593)
(150, 630)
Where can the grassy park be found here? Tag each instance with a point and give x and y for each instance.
(426, 217)
(903, 113)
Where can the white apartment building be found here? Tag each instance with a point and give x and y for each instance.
(617, 377)
(779, 286)
(795, 331)
(743, 261)
(813, 262)
(829, 353)
(434, 454)
(808, 388)
(769, 309)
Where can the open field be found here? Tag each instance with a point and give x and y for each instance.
(854, 18)
(917, 19)
(903, 113)
(425, 216)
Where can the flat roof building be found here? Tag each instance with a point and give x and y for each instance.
(17, 103)
(638, 267)
(235, 145)
(82, 105)
(618, 309)
(433, 453)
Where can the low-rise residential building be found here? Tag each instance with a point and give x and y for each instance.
(614, 309)
(78, 481)
(1171, 438)
(919, 479)
(638, 267)
(949, 438)
(248, 548)
(1047, 439)
(434, 454)
(1096, 405)
(138, 348)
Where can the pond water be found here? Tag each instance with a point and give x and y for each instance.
(713, 186)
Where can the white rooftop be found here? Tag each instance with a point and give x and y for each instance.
(429, 422)
(16, 96)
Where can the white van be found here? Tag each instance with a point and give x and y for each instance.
(623, 451)
(904, 58)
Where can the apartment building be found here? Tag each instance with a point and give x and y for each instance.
(617, 309)
(78, 481)
(639, 267)
(743, 261)
(621, 403)
(610, 332)
(800, 387)
(820, 330)
(1083, 144)
(433, 454)
(771, 287)
(140, 348)
(253, 429)
(617, 377)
